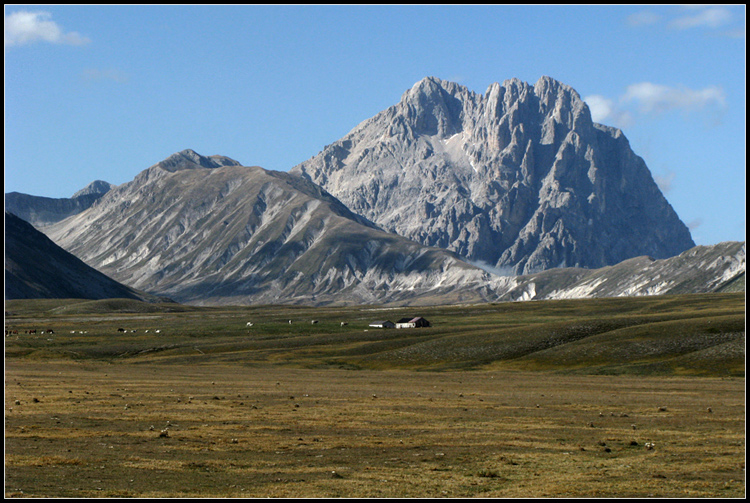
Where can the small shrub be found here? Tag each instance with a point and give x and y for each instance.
(487, 473)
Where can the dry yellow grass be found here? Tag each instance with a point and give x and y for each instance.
(94, 429)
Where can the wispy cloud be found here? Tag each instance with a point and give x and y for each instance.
(712, 17)
(665, 181)
(656, 99)
(648, 99)
(694, 224)
(24, 27)
(715, 19)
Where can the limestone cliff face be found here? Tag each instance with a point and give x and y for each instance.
(518, 178)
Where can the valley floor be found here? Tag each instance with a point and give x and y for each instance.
(143, 428)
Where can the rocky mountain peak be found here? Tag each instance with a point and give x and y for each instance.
(432, 107)
(97, 187)
(189, 159)
(518, 177)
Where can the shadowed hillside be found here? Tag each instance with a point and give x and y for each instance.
(35, 268)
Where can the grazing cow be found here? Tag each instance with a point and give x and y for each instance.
(314, 322)
(343, 323)
(120, 329)
(249, 324)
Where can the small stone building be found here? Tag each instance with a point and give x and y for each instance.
(417, 322)
(382, 324)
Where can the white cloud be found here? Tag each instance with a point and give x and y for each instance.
(665, 181)
(604, 110)
(647, 99)
(600, 107)
(654, 98)
(28, 27)
(713, 17)
(708, 17)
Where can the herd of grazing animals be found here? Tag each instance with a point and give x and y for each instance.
(9, 332)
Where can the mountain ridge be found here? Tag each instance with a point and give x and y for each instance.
(422, 203)
(284, 239)
(238, 234)
(517, 177)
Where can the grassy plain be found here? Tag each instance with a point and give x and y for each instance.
(538, 399)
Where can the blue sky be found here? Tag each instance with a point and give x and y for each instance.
(104, 92)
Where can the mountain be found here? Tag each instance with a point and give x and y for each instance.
(206, 230)
(701, 269)
(519, 178)
(36, 268)
(41, 211)
(99, 187)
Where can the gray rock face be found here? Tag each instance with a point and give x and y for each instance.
(97, 187)
(190, 159)
(519, 178)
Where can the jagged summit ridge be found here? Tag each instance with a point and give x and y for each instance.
(518, 177)
(97, 187)
(190, 159)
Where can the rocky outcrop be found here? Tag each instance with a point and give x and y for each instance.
(519, 178)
